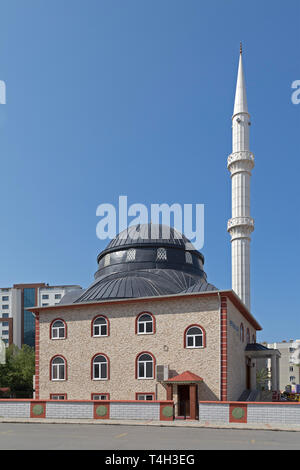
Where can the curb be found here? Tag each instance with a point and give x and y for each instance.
(170, 424)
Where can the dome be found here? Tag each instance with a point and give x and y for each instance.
(150, 235)
(144, 261)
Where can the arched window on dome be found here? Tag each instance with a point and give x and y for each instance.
(161, 254)
(130, 256)
(58, 369)
(188, 258)
(194, 337)
(247, 336)
(107, 260)
(145, 324)
(145, 366)
(242, 333)
(100, 326)
(58, 329)
(100, 367)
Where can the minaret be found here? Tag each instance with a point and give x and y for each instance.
(240, 164)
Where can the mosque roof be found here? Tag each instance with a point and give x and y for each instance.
(150, 235)
(144, 261)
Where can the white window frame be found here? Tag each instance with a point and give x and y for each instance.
(57, 330)
(57, 395)
(101, 395)
(144, 323)
(99, 364)
(100, 327)
(145, 362)
(194, 336)
(57, 367)
(145, 395)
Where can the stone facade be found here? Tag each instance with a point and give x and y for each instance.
(236, 366)
(173, 315)
(123, 345)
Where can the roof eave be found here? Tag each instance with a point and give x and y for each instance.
(229, 293)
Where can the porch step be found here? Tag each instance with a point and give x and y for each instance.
(249, 395)
(244, 395)
(253, 396)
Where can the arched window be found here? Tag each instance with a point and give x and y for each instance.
(58, 368)
(130, 256)
(100, 367)
(161, 254)
(100, 326)
(107, 260)
(242, 332)
(145, 366)
(145, 324)
(194, 337)
(58, 329)
(248, 336)
(188, 258)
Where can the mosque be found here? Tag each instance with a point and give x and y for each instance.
(150, 326)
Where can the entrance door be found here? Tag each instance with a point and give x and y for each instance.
(184, 400)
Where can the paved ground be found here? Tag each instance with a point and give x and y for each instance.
(112, 437)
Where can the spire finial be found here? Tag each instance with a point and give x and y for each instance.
(240, 103)
(241, 47)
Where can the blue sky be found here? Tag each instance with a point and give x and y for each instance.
(135, 97)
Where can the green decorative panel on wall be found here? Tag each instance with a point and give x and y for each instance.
(238, 413)
(38, 410)
(101, 410)
(167, 411)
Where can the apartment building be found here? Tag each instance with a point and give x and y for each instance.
(17, 324)
(289, 363)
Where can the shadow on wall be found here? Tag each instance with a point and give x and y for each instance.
(206, 394)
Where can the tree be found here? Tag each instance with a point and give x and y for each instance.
(262, 377)
(18, 372)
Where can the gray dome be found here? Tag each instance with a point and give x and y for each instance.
(143, 262)
(150, 235)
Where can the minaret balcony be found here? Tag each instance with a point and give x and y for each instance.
(240, 161)
(240, 227)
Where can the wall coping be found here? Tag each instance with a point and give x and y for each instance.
(237, 403)
(31, 400)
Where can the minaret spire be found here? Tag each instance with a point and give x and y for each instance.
(240, 102)
(240, 165)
